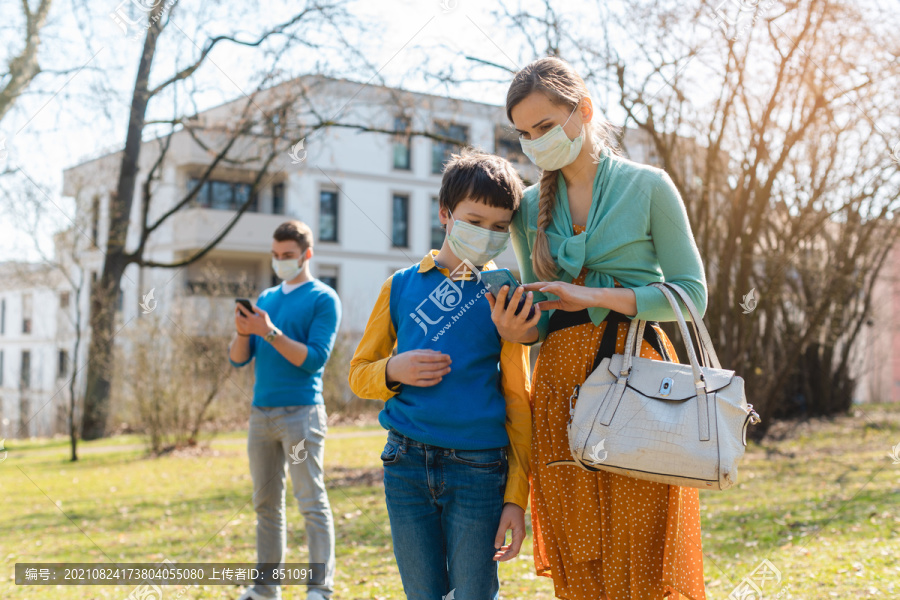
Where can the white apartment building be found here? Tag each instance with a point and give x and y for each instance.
(36, 342)
(370, 199)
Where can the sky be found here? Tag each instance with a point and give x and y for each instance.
(73, 116)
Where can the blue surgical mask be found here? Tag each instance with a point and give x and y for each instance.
(554, 150)
(476, 244)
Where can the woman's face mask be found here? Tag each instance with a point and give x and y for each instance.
(476, 244)
(554, 150)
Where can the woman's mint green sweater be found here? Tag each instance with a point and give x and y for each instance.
(637, 233)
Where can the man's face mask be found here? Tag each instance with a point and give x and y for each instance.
(288, 268)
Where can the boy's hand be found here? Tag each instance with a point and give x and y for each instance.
(420, 368)
(512, 327)
(512, 518)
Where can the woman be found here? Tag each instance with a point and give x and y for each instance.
(592, 234)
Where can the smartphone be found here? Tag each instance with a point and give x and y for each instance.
(245, 303)
(495, 279)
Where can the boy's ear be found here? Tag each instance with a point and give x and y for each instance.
(444, 216)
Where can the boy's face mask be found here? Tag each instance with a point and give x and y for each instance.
(554, 150)
(476, 244)
(288, 268)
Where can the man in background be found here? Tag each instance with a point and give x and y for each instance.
(290, 333)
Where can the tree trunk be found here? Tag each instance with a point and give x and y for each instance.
(105, 295)
(99, 371)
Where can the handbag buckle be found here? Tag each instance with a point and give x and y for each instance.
(666, 386)
(572, 399)
(754, 416)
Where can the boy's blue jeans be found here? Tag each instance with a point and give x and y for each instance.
(444, 506)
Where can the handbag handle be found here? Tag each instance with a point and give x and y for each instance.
(703, 416)
(682, 326)
(704, 341)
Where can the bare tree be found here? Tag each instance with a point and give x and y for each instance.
(220, 143)
(255, 132)
(774, 123)
(21, 68)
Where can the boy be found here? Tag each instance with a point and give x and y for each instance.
(456, 396)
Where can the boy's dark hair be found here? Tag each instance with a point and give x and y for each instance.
(297, 231)
(481, 177)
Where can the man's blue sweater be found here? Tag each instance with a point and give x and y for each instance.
(309, 314)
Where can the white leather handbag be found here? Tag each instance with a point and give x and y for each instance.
(680, 424)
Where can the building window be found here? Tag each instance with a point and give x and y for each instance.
(26, 313)
(507, 145)
(278, 199)
(223, 195)
(62, 369)
(400, 220)
(328, 216)
(402, 144)
(328, 274)
(64, 299)
(25, 371)
(1, 368)
(441, 151)
(437, 230)
(243, 192)
(95, 220)
(3, 316)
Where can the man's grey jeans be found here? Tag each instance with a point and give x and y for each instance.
(274, 433)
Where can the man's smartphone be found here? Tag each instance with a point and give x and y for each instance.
(495, 279)
(245, 303)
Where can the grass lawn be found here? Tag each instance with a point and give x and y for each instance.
(821, 505)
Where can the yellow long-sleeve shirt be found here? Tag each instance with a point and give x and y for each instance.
(368, 380)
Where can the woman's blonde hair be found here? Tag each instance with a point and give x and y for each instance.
(562, 85)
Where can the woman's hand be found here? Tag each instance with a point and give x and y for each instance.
(571, 297)
(511, 327)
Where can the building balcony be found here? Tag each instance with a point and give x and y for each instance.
(194, 228)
